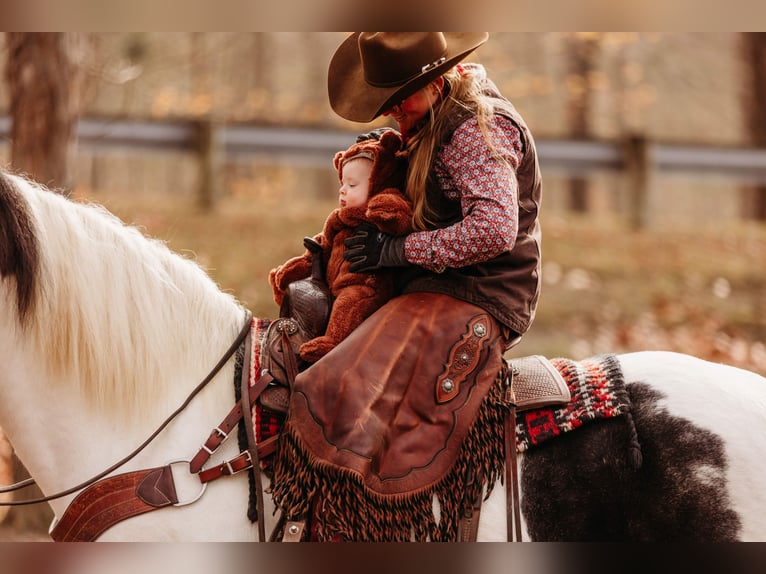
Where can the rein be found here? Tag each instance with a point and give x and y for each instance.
(224, 359)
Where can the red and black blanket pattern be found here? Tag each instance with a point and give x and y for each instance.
(266, 423)
(598, 392)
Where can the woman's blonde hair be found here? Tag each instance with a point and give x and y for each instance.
(464, 91)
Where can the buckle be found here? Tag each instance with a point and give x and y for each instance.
(223, 436)
(432, 65)
(249, 463)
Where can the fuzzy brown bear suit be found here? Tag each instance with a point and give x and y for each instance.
(356, 295)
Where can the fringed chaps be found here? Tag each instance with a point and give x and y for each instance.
(340, 507)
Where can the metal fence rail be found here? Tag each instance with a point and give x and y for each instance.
(637, 160)
(574, 157)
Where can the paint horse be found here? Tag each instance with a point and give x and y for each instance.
(104, 332)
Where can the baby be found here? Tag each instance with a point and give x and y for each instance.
(371, 175)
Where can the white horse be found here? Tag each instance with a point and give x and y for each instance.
(104, 333)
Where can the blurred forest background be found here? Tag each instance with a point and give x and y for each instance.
(636, 256)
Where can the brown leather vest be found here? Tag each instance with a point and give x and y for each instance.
(508, 285)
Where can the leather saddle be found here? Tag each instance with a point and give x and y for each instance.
(537, 383)
(303, 315)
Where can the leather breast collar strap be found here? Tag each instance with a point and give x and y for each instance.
(159, 486)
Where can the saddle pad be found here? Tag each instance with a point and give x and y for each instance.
(265, 423)
(598, 392)
(394, 401)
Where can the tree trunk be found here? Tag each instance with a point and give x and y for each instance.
(43, 74)
(754, 48)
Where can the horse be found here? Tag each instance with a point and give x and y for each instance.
(104, 331)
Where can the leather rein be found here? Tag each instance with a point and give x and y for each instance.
(226, 468)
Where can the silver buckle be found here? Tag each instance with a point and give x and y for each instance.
(232, 472)
(223, 435)
(432, 65)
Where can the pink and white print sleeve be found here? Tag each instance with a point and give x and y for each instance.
(487, 190)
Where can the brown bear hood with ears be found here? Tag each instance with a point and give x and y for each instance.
(389, 163)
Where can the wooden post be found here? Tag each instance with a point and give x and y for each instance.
(210, 154)
(754, 49)
(581, 60)
(638, 168)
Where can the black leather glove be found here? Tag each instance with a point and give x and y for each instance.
(373, 134)
(369, 249)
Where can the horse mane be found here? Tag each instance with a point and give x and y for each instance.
(19, 256)
(102, 302)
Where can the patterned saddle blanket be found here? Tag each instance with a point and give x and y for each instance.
(597, 391)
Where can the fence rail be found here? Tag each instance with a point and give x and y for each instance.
(571, 156)
(637, 158)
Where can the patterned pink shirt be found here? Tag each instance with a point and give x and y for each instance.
(487, 190)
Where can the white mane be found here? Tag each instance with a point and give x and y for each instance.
(116, 309)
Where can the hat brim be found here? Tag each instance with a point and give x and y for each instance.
(352, 98)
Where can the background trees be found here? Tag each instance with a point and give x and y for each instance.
(44, 73)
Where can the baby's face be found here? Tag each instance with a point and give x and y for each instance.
(355, 185)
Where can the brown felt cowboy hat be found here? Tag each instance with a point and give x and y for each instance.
(371, 72)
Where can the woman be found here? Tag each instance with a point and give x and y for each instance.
(473, 174)
(397, 414)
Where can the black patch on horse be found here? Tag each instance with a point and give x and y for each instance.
(19, 252)
(581, 487)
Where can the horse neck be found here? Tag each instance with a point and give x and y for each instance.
(117, 331)
(63, 440)
(112, 307)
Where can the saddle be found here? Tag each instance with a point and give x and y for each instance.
(303, 315)
(384, 409)
(537, 383)
(391, 413)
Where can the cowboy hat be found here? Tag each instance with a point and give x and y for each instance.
(371, 72)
